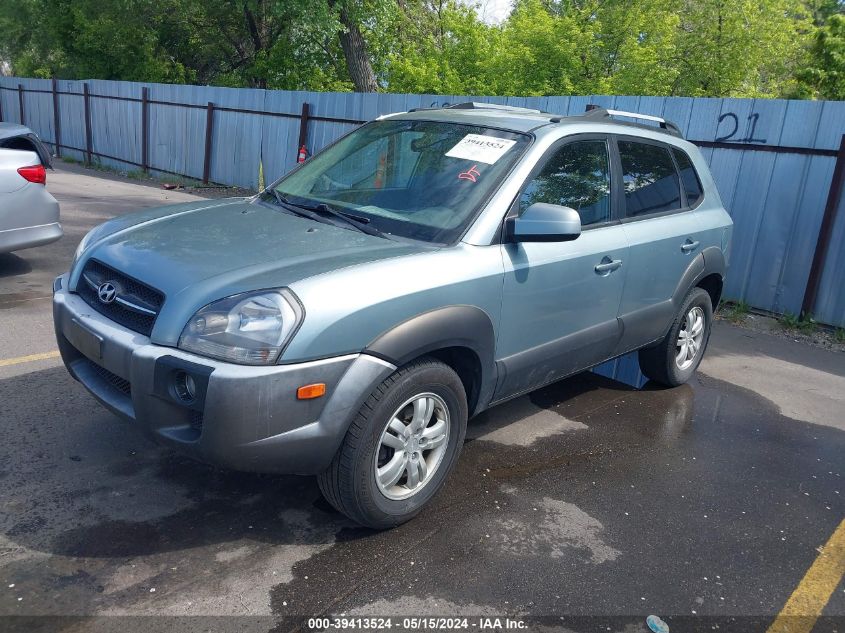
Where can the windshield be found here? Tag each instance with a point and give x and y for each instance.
(421, 180)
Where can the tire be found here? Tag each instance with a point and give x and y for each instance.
(660, 362)
(423, 387)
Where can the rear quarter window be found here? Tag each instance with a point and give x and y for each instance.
(650, 179)
(689, 178)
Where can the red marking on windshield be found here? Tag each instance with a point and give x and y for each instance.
(470, 174)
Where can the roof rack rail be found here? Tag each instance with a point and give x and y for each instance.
(597, 112)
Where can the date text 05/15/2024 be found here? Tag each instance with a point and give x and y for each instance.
(486, 623)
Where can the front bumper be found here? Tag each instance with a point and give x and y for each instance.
(242, 417)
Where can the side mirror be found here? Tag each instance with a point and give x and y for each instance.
(542, 222)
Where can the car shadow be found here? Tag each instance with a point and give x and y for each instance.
(12, 265)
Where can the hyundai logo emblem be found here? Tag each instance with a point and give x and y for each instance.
(107, 293)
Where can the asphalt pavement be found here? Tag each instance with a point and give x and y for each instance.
(589, 500)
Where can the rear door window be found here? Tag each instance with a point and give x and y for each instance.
(650, 179)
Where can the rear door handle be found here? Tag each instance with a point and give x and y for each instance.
(689, 246)
(608, 265)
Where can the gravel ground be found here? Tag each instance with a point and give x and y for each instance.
(821, 336)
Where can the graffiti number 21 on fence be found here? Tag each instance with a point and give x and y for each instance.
(733, 126)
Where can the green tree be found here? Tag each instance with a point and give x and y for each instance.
(824, 76)
(544, 51)
(634, 47)
(740, 48)
(86, 38)
(765, 48)
(440, 48)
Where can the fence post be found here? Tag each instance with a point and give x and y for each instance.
(303, 127)
(1, 106)
(20, 101)
(57, 123)
(145, 129)
(88, 139)
(834, 194)
(209, 132)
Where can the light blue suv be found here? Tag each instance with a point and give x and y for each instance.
(348, 320)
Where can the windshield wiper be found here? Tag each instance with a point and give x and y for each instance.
(315, 211)
(359, 222)
(293, 208)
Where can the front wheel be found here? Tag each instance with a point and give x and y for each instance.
(401, 446)
(673, 360)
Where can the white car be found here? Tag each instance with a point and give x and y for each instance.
(29, 215)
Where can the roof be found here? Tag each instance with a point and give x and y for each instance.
(516, 120)
(525, 120)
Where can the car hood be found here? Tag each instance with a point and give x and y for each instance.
(199, 252)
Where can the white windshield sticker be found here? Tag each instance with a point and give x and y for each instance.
(481, 148)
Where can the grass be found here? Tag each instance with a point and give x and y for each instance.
(735, 311)
(96, 164)
(839, 335)
(789, 321)
(803, 323)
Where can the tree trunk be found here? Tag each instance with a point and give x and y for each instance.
(258, 34)
(357, 60)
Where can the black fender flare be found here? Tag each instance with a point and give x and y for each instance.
(714, 262)
(709, 261)
(451, 326)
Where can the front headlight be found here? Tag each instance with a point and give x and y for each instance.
(83, 244)
(250, 328)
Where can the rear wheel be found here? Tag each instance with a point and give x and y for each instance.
(401, 446)
(674, 359)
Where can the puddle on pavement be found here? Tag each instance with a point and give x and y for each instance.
(549, 528)
(520, 422)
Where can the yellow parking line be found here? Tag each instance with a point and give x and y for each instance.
(28, 359)
(806, 603)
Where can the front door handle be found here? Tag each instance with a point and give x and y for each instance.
(689, 246)
(608, 265)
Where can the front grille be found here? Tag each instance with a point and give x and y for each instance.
(122, 385)
(135, 305)
(196, 420)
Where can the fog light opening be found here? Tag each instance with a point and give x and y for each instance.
(184, 386)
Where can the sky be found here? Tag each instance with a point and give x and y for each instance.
(491, 11)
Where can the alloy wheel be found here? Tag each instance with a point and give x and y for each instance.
(412, 446)
(690, 338)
